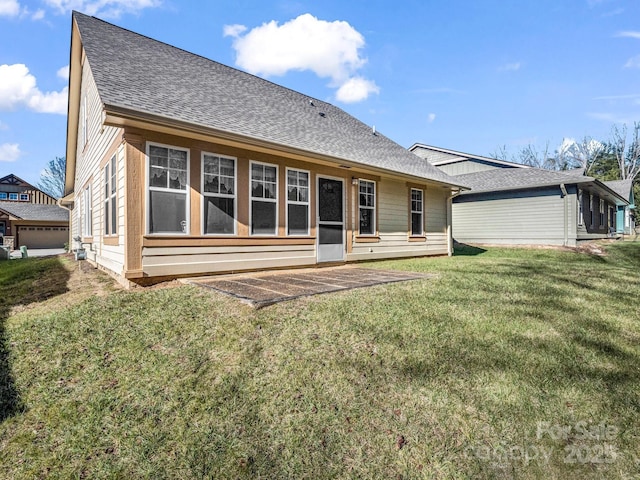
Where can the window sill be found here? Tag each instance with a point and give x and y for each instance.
(112, 240)
(367, 239)
(417, 238)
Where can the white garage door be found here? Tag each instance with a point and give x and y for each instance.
(42, 237)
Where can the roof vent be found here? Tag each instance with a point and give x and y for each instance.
(322, 114)
(374, 130)
(311, 103)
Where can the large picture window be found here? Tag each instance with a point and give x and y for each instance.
(219, 194)
(168, 181)
(416, 212)
(264, 199)
(297, 202)
(367, 210)
(110, 197)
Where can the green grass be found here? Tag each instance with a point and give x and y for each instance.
(453, 377)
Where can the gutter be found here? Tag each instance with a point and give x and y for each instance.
(450, 220)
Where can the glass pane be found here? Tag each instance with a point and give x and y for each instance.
(292, 193)
(227, 167)
(303, 194)
(270, 174)
(292, 177)
(178, 179)
(158, 177)
(114, 216)
(167, 212)
(366, 221)
(178, 159)
(330, 200)
(303, 179)
(263, 218)
(210, 164)
(210, 184)
(330, 234)
(416, 224)
(218, 214)
(226, 185)
(156, 151)
(257, 190)
(256, 172)
(107, 223)
(269, 190)
(298, 221)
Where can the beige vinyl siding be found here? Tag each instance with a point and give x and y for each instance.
(524, 218)
(393, 224)
(159, 261)
(89, 157)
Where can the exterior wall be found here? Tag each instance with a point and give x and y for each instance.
(101, 143)
(149, 255)
(535, 217)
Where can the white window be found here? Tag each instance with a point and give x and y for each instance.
(168, 176)
(219, 194)
(110, 197)
(591, 209)
(601, 212)
(87, 205)
(3, 195)
(580, 212)
(416, 212)
(297, 202)
(264, 199)
(13, 196)
(367, 204)
(24, 197)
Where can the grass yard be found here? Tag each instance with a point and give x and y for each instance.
(512, 363)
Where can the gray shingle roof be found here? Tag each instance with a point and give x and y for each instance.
(621, 187)
(518, 178)
(34, 211)
(139, 74)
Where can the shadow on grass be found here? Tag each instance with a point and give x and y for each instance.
(23, 282)
(464, 250)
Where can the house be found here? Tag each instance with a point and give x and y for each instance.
(457, 163)
(179, 165)
(515, 204)
(625, 215)
(30, 217)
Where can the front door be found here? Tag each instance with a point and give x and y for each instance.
(330, 220)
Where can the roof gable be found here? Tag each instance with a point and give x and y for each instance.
(13, 180)
(441, 156)
(140, 76)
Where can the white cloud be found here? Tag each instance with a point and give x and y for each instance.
(9, 152)
(38, 14)
(18, 88)
(355, 90)
(63, 72)
(629, 34)
(431, 117)
(328, 49)
(633, 62)
(103, 8)
(9, 8)
(510, 67)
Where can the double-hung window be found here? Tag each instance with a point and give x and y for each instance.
(110, 197)
(601, 212)
(367, 210)
(264, 199)
(219, 194)
(416, 212)
(168, 181)
(297, 202)
(87, 205)
(13, 196)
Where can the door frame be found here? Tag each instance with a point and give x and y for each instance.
(344, 218)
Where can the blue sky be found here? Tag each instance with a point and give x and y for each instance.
(469, 75)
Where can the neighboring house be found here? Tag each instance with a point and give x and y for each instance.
(179, 165)
(626, 216)
(33, 225)
(30, 217)
(458, 163)
(515, 204)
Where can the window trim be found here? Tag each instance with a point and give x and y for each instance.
(234, 196)
(374, 232)
(412, 211)
(297, 202)
(148, 189)
(110, 177)
(276, 200)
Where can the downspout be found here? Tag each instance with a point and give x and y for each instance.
(565, 196)
(450, 220)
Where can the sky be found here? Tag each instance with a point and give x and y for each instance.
(470, 75)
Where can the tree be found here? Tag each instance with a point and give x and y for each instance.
(586, 154)
(628, 157)
(52, 177)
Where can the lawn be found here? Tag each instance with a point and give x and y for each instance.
(511, 363)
